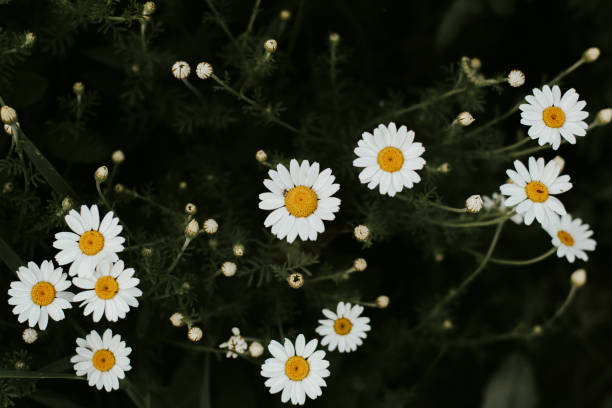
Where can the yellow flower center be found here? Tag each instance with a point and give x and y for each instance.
(91, 242)
(106, 287)
(103, 360)
(553, 117)
(390, 159)
(566, 238)
(343, 326)
(297, 368)
(536, 191)
(301, 201)
(43, 293)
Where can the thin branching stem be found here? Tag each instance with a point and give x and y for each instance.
(515, 262)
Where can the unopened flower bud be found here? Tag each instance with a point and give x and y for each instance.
(101, 174)
(360, 264)
(181, 70)
(210, 226)
(256, 349)
(7, 187)
(285, 15)
(444, 168)
(361, 232)
(537, 330)
(447, 324)
(8, 115)
(29, 335)
(270, 45)
(516, 78)
(204, 70)
(604, 116)
(591, 54)
(560, 161)
(177, 319)
(148, 8)
(67, 204)
(474, 203)
(118, 157)
(261, 156)
(29, 39)
(228, 269)
(296, 280)
(147, 252)
(238, 250)
(182, 185)
(334, 38)
(465, 119)
(78, 88)
(119, 188)
(579, 278)
(8, 129)
(195, 334)
(438, 257)
(191, 209)
(475, 63)
(192, 229)
(382, 301)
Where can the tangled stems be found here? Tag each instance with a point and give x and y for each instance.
(516, 262)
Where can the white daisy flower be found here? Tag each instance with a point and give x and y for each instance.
(91, 242)
(498, 202)
(296, 371)
(390, 158)
(571, 237)
(40, 293)
(344, 329)
(104, 359)
(533, 190)
(301, 198)
(550, 116)
(235, 345)
(110, 291)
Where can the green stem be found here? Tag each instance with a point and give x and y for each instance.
(37, 375)
(180, 254)
(222, 24)
(509, 147)
(494, 221)
(447, 208)
(192, 88)
(343, 274)
(568, 300)
(517, 262)
(148, 200)
(252, 19)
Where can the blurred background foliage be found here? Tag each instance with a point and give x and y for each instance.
(391, 54)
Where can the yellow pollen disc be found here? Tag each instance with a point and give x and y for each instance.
(566, 238)
(297, 368)
(553, 117)
(536, 191)
(390, 159)
(91, 242)
(106, 287)
(343, 326)
(43, 293)
(301, 201)
(103, 360)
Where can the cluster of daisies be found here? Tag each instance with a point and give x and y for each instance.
(107, 289)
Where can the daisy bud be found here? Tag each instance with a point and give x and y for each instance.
(238, 250)
(256, 349)
(382, 301)
(438, 257)
(270, 45)
(20, 365)
(29, 40)
(118, 157)
(119, 188)
(444, 168)
(148, 8)
(67, 203)
(447, 324)
(29, 335)
(147, 252)
(181, 70)
(296, 280)
(182, 185)
(604, 116)
(177, 319)
(261, 156)
(192, 229)
(195, 334)
(191, 209)
(591, 54)
(360, 264)
(537, 330)
(516, 78)
(474, 203)
(8, 115)
(334, 38)
(204, 70)
(579, 278)
(361, 232)
(465, 119)
(8, 129)
(78, 88)
(228, 269)
(476, 63)
(285, 15)
(7, 187)
(560, 161)
(135, 68)
(101, 174)
(210, 226)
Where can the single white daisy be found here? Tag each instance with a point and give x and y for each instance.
(498, 202)
(571, 237)
(91, 242)
(390, 157)
(301, 198)
(110, 290)
(296, 371)
(40, 293)
(235, 345)
(550, 116)
(344, 329)
(103, 359)
(533, 190)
